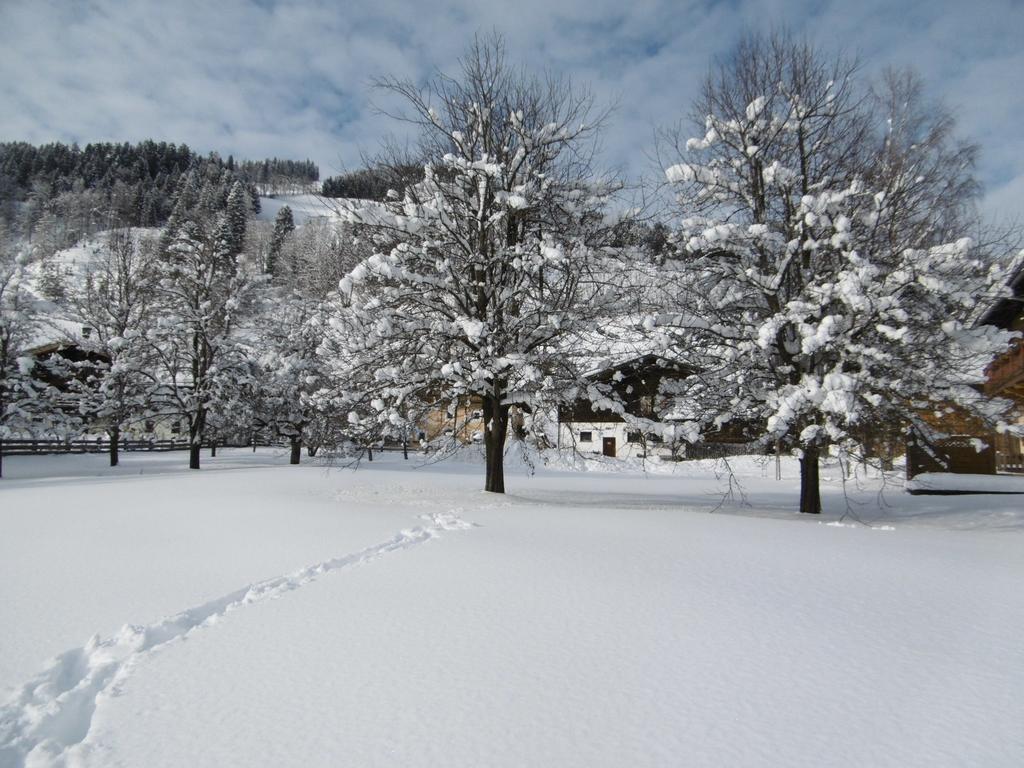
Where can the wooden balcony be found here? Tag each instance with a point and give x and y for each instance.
(1006, 374)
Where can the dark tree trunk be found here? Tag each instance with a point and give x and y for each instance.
(115, 437)
(889, 459)
(495, 431)
(195, 439)
(296, 456)
(369, 452)
(405, 450)
(311, 450)
(810, 489)
(197, 422)
(213, 448)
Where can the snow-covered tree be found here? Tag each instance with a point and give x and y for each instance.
(925, 171)
(289, 371)
(236, 215)
(320, 253)
(201, 292)
(284, 225)
(815, 289)
(116, 303)
(29, 403)
(481, 269)
(16, 323)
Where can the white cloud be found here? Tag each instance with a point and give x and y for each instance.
(291, 78)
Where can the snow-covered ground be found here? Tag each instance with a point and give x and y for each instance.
(260, 614)
(304, 207)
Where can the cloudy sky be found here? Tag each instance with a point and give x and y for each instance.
(290, 78)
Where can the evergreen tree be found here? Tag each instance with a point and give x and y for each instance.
(51, 280)
(116, 176)
(284, 225)
(235, 219)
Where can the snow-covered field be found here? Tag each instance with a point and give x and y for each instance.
(260, 614)
(304, 207)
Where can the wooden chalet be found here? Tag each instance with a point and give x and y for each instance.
(66, 365)
(1005, 375)
(461, 421)
(971, 447)
(597, 428)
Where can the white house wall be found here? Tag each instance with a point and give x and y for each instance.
(569, 438)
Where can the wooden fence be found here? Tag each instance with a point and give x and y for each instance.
(721, 450)
(28, 446)
(1010, 462)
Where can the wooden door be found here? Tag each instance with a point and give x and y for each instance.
(608, 446)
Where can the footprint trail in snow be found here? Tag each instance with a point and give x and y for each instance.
(53, 712)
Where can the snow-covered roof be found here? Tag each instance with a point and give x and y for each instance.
(55, 332)
(1005, 310)
(615, 344)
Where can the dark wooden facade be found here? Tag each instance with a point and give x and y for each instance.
(970, 447)
(959, 453)
(636, 384)
(65, 365)
(1005, 375)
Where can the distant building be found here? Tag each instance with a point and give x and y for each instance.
(68, 365)
(970, 447)
(1005, 375)
(594, 425)
(461, 422)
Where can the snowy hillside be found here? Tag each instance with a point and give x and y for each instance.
(71, 266)
(307, 207)
(264, 615)
(304, 207)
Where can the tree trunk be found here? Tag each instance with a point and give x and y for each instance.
(311, 450)
(296, 456)
(115, 436)
(195, 439)
(213, 448)
(810, 489)
(369, 452)
(495, 431)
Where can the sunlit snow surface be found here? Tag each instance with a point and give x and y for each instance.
(304, 207)
(259, 614)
